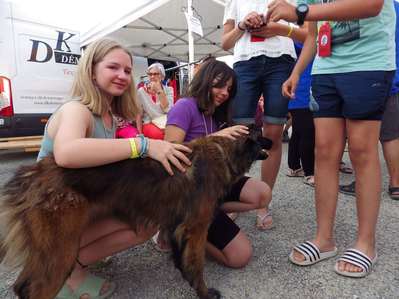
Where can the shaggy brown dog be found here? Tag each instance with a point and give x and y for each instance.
(47, 207)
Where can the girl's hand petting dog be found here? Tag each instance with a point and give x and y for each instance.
(166, 153)
(232, 132)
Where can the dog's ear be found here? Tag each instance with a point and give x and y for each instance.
(264, 142)
(251, 127)
(254, 131)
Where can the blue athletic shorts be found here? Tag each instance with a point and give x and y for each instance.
(262, 75)
(354, 95)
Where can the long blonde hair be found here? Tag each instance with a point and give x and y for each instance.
(90, 95)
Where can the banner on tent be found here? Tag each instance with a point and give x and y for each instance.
(194, 24)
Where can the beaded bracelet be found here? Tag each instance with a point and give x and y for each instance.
(134, 153)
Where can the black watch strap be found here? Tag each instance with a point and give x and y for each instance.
(301, 12)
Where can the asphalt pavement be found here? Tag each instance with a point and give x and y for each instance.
(143, 273)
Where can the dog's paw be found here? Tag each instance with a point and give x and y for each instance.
(213, 294)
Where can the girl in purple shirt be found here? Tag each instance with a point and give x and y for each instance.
(206, 111)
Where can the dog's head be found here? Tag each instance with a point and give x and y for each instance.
(255, 136)
(240, 154)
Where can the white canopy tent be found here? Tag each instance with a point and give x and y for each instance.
(158, 29)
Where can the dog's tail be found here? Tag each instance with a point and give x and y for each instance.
(16, 200)
(28, 192)
(42, 222)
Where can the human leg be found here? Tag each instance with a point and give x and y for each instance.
(329, 144)
(102, 239)
(227, 244)
(253, 194)
(363, 108)
(391, 155)
(329, 148)
(294, 162)
(271, 166)
(247, 194)
(249, 89)
(364, 156)
(307, 141)
(306, 145)
(389, 137)
(275, 72)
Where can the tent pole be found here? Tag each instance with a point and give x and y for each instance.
(190, 42)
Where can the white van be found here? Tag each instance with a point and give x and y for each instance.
(37, 65)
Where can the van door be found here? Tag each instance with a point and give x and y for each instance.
(39, 71)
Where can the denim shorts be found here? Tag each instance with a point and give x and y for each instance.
(355, 95)
(257, 76)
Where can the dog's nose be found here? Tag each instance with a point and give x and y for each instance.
(262, 155)
(265, 143)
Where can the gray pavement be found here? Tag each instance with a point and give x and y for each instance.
(142, 272)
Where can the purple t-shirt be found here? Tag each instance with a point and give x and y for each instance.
(186, 115)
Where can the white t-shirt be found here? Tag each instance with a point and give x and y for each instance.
(244, 49)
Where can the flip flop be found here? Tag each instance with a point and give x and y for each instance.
(260, 221)
(356, 258)
(309, 180)
(393, 193)
(311, 253)
(295, 173)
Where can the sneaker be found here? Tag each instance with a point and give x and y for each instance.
(348, 189)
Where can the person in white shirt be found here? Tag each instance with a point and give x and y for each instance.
(264, 56)
(156, 100)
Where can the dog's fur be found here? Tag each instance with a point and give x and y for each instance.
(46, 208)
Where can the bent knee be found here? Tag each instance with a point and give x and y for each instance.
(238, 252)
(256, 193)
(240, 259)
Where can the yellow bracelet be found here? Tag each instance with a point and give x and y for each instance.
(133, 147)
(290, 31)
